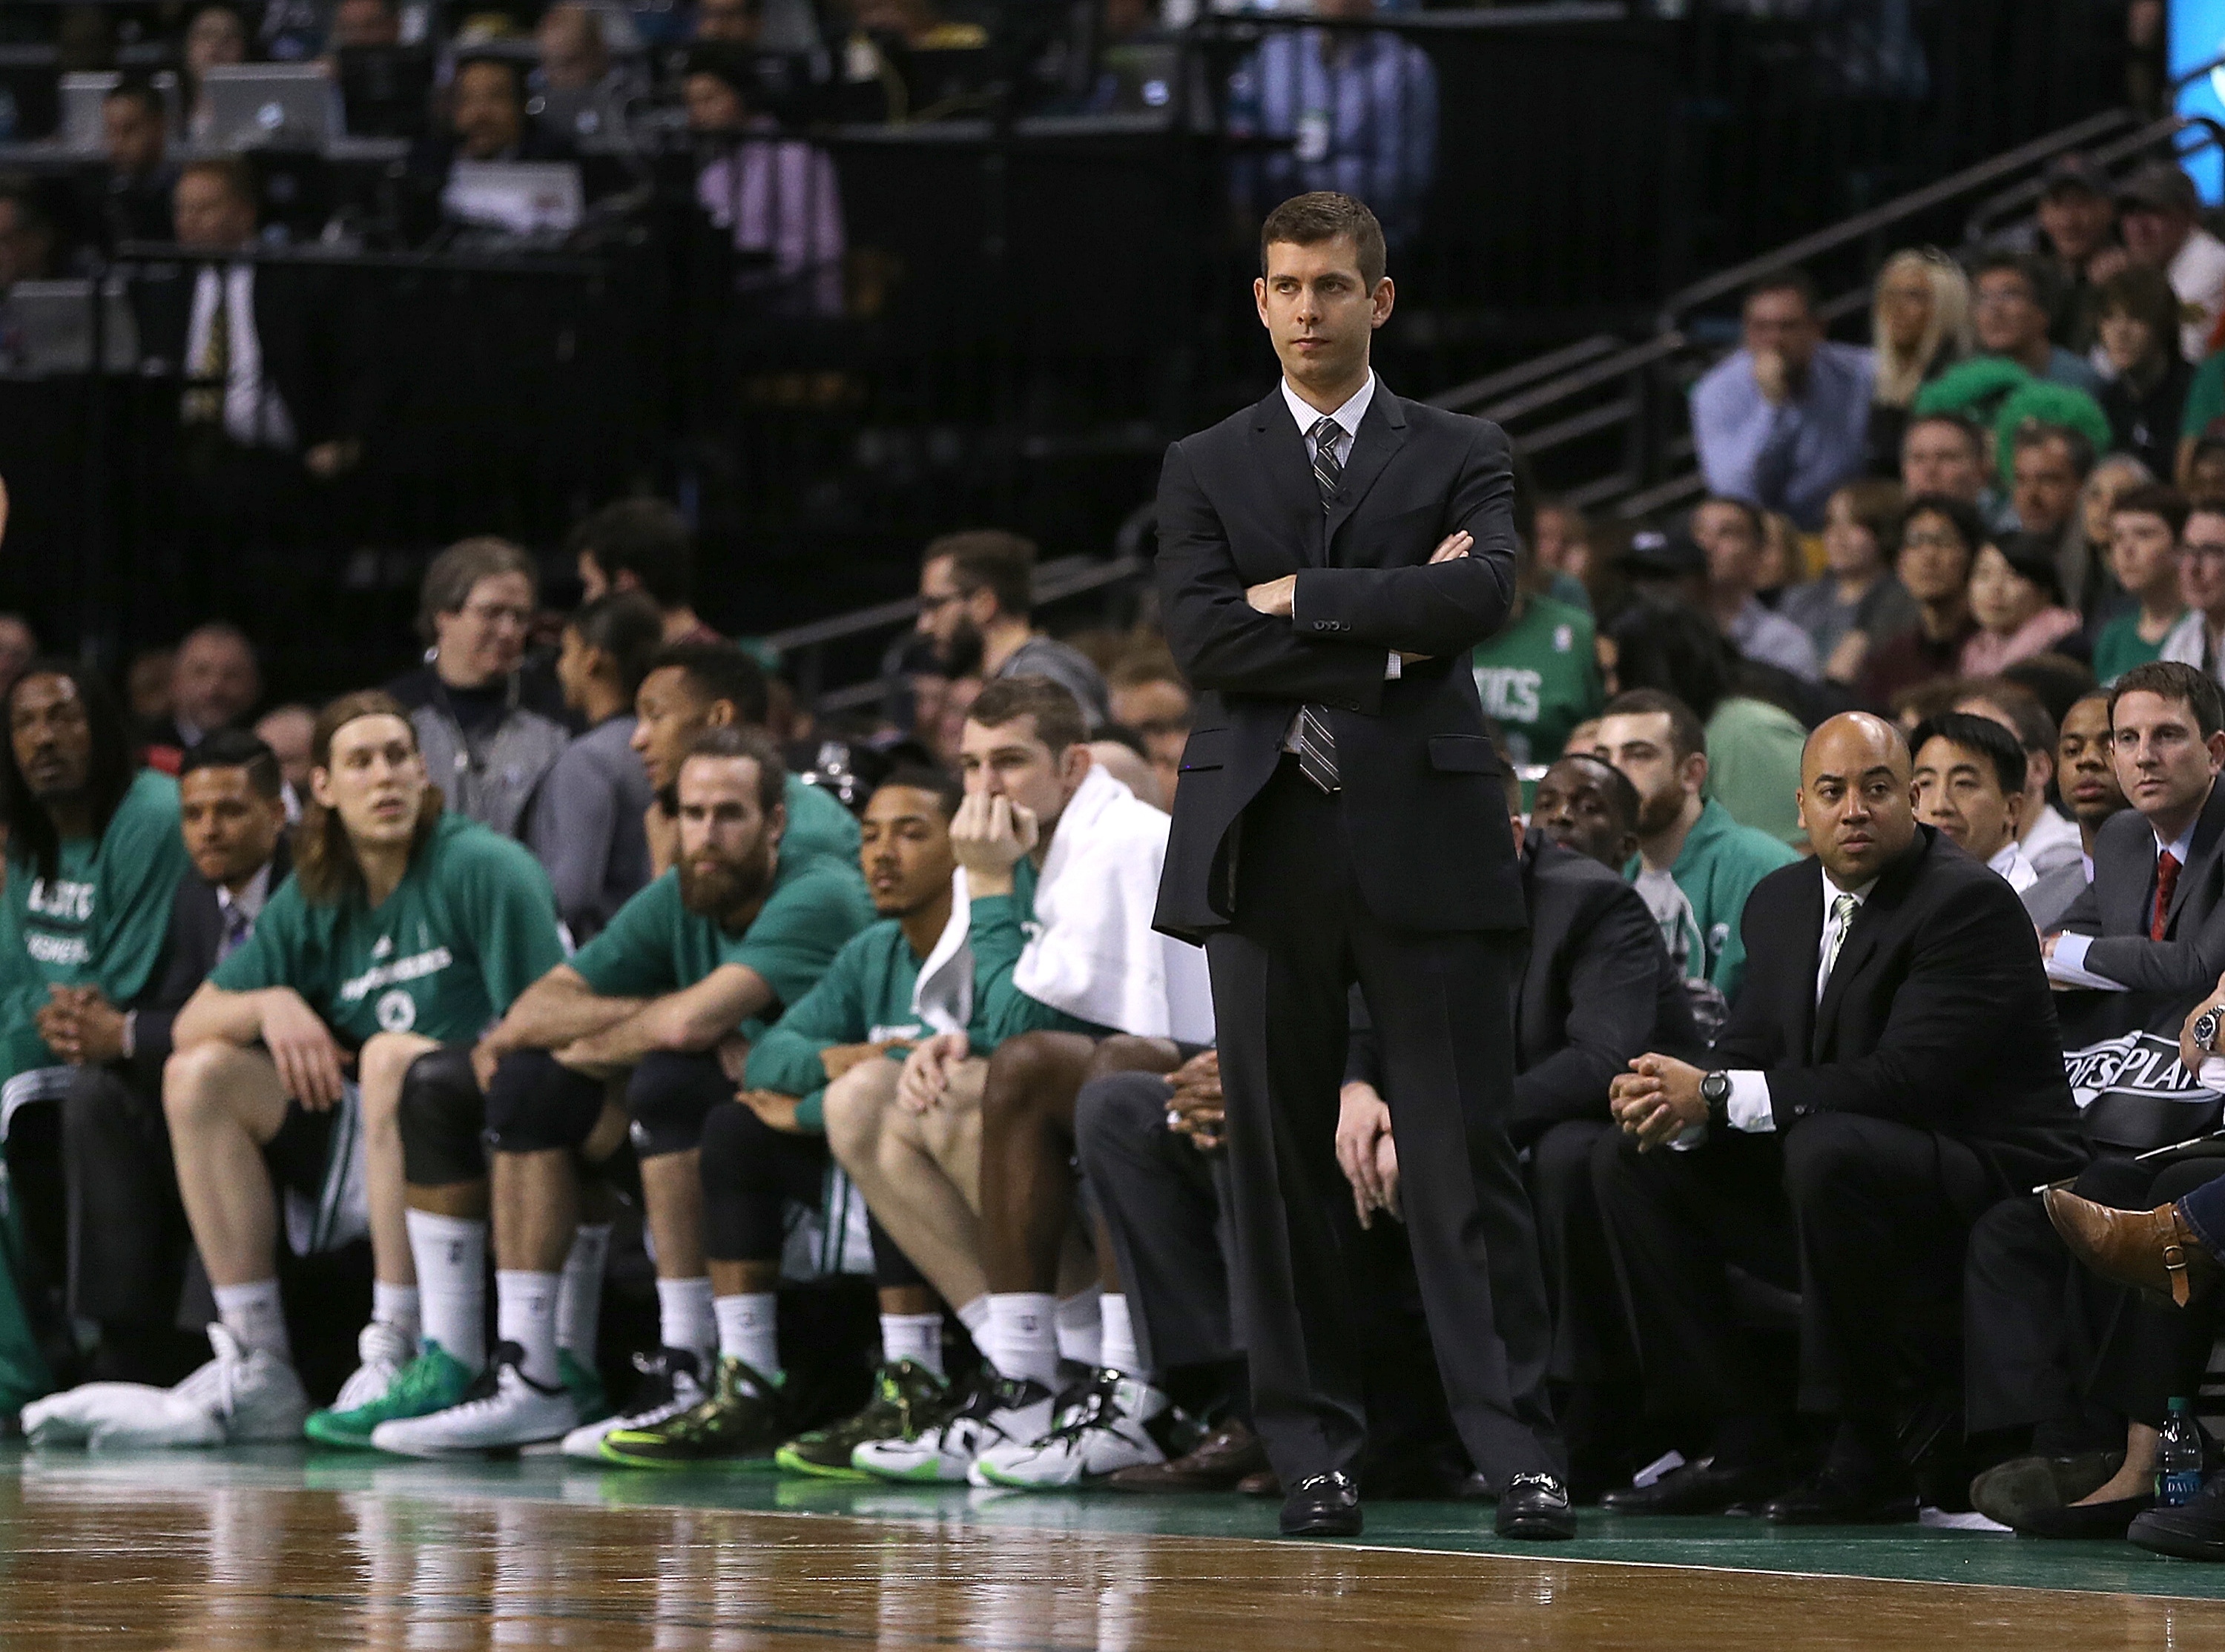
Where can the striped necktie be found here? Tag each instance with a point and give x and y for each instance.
(1842, 919)
(1316, 745)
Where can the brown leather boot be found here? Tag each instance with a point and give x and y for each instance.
(2151, 1250)
(1214, 1463)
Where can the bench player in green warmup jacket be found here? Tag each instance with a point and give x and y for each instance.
(399, 919)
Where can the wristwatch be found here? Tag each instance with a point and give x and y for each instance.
(2206, 1028)
(1715, 1091)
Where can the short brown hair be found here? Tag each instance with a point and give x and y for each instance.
(989, 558)
(1308, 220)
(1057, 714)
(325, 863)
(733, 740)
(1875, 501)
(2143, 293)
(450, 576)
(1687, 734)
(2157, 499)
(2170, 679)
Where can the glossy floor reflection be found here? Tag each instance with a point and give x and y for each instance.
(271, 1550)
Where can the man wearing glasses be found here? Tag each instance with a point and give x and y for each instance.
(2196, 638)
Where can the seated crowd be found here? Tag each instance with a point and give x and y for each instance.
(416, 1019)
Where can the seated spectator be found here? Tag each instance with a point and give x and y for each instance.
(1891, 1068)
(486, 121)
(1857, 601)
(2113, 476)
(398, 920)
(2051, 465)
(585, 826)
(484, 726)
(570, 42)
(128, 1236)
(1920, 326)
(727, 22)
(1969, 784)
(1939, 541)
(2198, 639)
(2048, 838)
(2078, 224)
(215, 38)
(711, 952)
(288, 732)
(1149, 696)
(2018, 604)
(578, 94)
(1349, 109)
(2145, 396)
(1782, 420)
(135, 194)
(1565, 552)
(976, 591)
(214, 683)
(778, 198)
(643, 545)
(1695, 864)
(2160, 216)
(902, 60)
(364, 25)
(2144, 557)
(2086, 769)
(1730, 532)
(2013, 302)
(1944, 453)
(1539, 676)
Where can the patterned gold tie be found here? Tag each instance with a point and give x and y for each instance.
(211, 373)
(1843, 917)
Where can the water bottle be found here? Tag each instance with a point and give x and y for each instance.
(2178, 1458)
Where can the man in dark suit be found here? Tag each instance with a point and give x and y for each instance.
(1326, 560)
(129, 1240)
(1891, 1068)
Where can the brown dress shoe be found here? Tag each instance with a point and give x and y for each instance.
(1264, 1483)
(1214, 1463)
(2151, 1250)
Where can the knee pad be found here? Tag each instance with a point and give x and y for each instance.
(669, 1095)
(536, 1104)
(892, 1270)
(443, 1115)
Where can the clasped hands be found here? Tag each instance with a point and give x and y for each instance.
(1274, 597)
(80, 1025)
(1196, 1109)
(778, 1110)
(1657, 1100)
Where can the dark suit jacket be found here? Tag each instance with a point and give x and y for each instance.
(1598, 988)
(188, 954)
(312, 342)
(1421, 796)
(1937, 1014)
(2115, 906)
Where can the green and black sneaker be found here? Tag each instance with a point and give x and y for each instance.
(908, 1400)
(740, 1423)
(432, 1382)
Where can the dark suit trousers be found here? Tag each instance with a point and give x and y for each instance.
(128, 1241)
(1865, 1218)
(1441, 1003)
(1590, 1343)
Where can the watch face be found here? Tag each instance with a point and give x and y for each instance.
(2205, 1029)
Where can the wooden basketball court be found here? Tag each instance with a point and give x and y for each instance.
(276, 1549)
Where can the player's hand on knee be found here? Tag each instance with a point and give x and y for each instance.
(303, 1050)
(776, 1111)
(927, 1071)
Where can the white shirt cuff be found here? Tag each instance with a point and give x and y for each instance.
(2068, 966)
(2212, 1076)
(1750, 1109)
(1394, 667)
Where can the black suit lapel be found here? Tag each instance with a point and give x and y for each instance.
(1870, 920)
(2200, 851)
(1382, 432)
(1289, 476)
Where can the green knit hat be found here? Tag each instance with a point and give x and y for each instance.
(2047, 404)
(1972, 388)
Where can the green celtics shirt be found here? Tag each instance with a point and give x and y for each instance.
(655, 945)
(100, 922)
(1540, 677)
(471, 925)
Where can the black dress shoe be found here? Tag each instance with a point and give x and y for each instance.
(2084, 1519)
(1700, 1488)
(2193, 1531)
(1833, 1499)
(1322, 1505)
(1535, 1507)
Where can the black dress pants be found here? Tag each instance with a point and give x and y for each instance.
(129, 1239)
(1441, 1003)
(1866, 1218)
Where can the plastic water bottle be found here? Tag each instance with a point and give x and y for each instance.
(2178, 1458)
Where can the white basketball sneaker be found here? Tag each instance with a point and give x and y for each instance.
(1116, 1423)
(240, 1397)
(1002, 1410)
(671, 1382)
(503, 1411)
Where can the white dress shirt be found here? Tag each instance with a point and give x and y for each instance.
(248, 902)
(254, 416)
(2011, 864)
(2068, 964)
(1750, 1109)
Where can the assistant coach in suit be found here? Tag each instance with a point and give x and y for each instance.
(1340, 817)
(1892, 1069)
(129, 1239)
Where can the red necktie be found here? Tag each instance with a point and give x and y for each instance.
(2166, 881)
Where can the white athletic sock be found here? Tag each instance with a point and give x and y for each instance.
(1079, 1337)
(916, 1337)
(254, 1313)
(525, 1313)
(579, 1298)
(974, 1316)
(1120, 1353)
(749, 1329)
(1023, 1336)
(684, 1314)
(396, 1304)
(450, 1252)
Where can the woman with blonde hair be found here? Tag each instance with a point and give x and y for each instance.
(1920, 327)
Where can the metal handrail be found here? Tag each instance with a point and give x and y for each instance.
(1462, 396)
(1983, 219)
